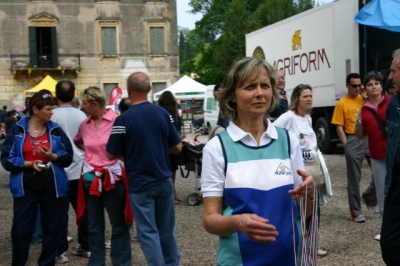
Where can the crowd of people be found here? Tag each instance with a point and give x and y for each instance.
(58, 155)
(263, 178)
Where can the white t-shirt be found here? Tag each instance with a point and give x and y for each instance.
(69, 118)
(301, 127)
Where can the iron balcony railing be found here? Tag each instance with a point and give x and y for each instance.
(45, 61)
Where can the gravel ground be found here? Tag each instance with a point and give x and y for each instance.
(347, 243)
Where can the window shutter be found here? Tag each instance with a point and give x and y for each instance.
(109, 41)
(157, 40)
(54, 53)
(33, 47)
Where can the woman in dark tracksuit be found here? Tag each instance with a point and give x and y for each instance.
(33, 141)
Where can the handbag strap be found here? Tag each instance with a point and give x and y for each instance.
(381, 125)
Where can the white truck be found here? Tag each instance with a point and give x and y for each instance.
(321, 47)
(211, 108)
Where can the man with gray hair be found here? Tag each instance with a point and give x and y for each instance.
(143, 136)
(390, 234)
(283, 105)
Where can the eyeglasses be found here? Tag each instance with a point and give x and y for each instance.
(281, 77)
(46, 95)
(356, 85)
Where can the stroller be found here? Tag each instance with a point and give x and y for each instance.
(191, 158)
(198, 125)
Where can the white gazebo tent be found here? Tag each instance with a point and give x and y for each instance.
(185, 89)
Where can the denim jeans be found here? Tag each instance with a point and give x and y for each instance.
(113, 201)
(154, 211)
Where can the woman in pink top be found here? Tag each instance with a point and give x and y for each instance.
(103, 182)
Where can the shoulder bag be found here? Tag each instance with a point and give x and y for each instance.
(381, 124)
(315, 170)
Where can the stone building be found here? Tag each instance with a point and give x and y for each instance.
(91, 42)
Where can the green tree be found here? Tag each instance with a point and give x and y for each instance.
(190, 44)
(225, 24)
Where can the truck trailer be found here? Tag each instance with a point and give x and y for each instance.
(320, 47)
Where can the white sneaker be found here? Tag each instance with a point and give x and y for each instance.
(359, 219)
(79, 251)
(108, 244)
(62, 258)
(321, 252)
(69, 238)
(375, 209)
(378, 237)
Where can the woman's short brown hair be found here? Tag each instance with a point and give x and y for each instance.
(369, 77)
(40, 99)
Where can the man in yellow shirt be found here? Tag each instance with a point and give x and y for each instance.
(344, 117)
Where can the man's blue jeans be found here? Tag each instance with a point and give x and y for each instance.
(154, 212)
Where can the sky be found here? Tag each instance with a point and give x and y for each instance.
(187, 20)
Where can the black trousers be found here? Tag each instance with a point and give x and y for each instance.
(25, 208)
(390, 232)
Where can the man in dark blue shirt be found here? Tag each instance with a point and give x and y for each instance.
(390, 233)
(143, 136)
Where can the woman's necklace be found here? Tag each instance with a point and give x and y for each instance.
(34, 139)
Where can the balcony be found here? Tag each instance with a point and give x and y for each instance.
(62, 62)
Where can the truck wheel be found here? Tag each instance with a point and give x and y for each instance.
(324, 136)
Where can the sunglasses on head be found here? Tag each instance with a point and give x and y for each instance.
(356, 85)
(46, 95)
(302, 86)
(86, 91)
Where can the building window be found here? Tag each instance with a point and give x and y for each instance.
(156, 1)
(108, 38)
(157, 38)
(108, 87)
(158, 86)
(43, 47)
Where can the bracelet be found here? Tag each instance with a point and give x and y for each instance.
(311, 200)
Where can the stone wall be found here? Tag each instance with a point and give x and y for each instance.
(79, 31)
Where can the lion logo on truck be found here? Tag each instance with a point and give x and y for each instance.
(296, 40)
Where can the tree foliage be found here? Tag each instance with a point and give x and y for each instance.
(190, 45)
(219, 37)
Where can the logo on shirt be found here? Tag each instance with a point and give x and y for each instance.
(282, 170)
(171, 119)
